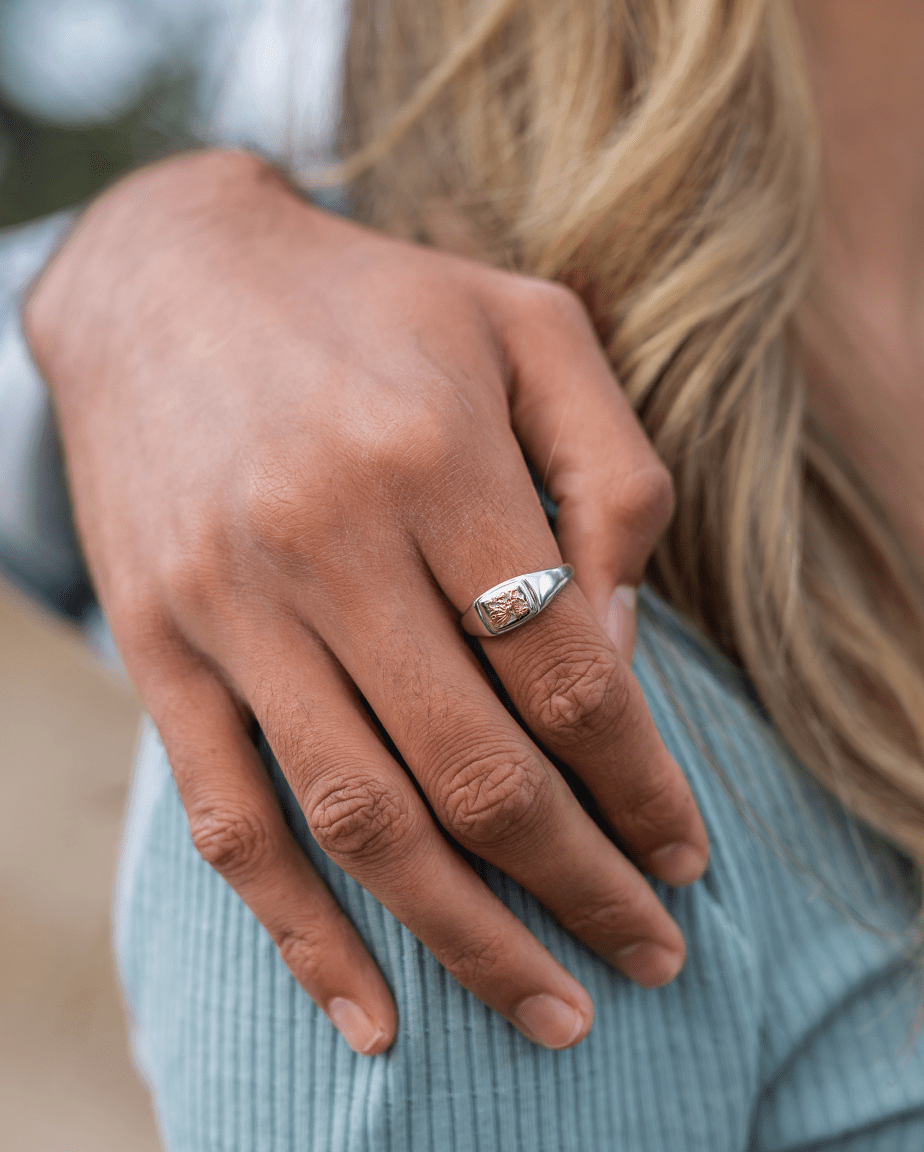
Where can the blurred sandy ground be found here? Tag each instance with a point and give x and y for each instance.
(67, 730)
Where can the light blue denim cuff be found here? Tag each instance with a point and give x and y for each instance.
(38, 548)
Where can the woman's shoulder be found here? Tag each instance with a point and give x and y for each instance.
(766, 816)
(791, 1023)
(822, 908)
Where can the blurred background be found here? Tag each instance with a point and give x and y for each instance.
(68, 725)
(88, 89)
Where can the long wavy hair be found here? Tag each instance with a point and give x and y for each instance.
(659, 156)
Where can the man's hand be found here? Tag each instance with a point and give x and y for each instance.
(295, 453)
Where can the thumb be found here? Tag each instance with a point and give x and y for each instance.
(614, 496)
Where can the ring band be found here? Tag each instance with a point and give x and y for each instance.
(508, 605)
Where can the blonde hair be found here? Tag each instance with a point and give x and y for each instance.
(659, 156)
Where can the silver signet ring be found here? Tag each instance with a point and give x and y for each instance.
(512, 603)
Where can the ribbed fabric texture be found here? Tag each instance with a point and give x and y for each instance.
(791, 1026)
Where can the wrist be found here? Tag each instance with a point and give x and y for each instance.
(135, 251)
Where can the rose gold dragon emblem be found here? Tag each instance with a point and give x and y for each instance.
(507, 608)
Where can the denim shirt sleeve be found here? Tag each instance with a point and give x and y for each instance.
(38, 548)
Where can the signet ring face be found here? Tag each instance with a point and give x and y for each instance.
(514, 602)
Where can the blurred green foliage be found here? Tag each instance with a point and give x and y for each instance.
(45, 167)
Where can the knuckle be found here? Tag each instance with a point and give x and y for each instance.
(584, 696)
(494, 796)
(132, 604)
(432, 440)
(645, 499)
(230, 841)
(602, 918)
(190, 571)
(475, 961)
(405, 442)
(303, 951)
(140, 620)
(190, 575)
(274, 501)
(650, 805)
(358, 819)
(552, 301)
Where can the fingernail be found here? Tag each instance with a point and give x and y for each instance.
(678, 864)
(355, 1026)
(648, 964)
(550, 1021)
(620, 620)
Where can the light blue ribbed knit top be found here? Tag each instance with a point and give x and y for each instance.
(791, 1026)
